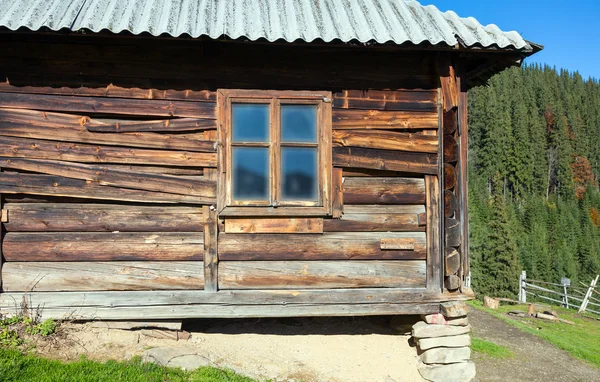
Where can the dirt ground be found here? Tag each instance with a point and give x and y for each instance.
(307, 349)
(535, 359)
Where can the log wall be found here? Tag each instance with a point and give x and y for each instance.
(110, 176)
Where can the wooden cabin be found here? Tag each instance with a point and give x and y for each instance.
(237, 158)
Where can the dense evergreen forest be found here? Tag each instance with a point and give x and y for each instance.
(533, 189)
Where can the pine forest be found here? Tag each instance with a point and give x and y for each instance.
(534, 157)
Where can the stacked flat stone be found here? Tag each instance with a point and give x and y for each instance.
(443, 343)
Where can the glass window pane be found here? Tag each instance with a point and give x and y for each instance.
(299, 123)
(250, 122)
(250, 176)
(299, 174)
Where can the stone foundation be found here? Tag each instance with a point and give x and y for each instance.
(443, 343)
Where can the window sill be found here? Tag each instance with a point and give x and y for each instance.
(236, 211)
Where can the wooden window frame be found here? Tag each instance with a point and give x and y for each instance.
(275, 206)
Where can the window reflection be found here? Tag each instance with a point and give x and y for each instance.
(250, 173)
(299, 123)
(299, 174)
(250, 122)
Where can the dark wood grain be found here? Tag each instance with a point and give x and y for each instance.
(417, 163)
(384, 191)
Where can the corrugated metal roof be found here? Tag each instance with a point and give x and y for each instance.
(381, 21)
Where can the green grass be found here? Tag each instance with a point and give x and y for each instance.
(581, 340)
(490, 349)
(16, 366)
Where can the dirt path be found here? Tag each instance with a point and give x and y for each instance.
(535, 359)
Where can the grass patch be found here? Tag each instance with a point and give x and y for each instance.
(490, 349)
(17, 366)
(581, 340)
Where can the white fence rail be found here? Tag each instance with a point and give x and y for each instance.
(583, 299)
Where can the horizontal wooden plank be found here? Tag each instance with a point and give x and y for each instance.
(417, 163)
(181, 311)
(50, 185)
(327, 246)
(320, 274)
(165, 125)
(386, 140)
(90, 153)
(65, 217)
(104, 176)
(113, 91)
(383, 222)
(166, 170)
(386, 100)
(107, 105)
(362, 172)
(104, 246)
(384, 209)
(276, 225)
(281, 297)
(378, 119)
(271, 212)
(406, 244)
(384, 191)
(102, 276)
(71, 128)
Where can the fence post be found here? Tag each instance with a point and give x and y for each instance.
(522, 290)
(586, 299)
(566, 296)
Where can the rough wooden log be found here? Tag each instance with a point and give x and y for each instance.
(276, 225)
(69, 217)
(328, 246)
(450, 149)
(123, 106)
(434, 244)
(452, 261)
(105, 246)
(386, 140)
(453, 232)
(11, 183)
(491, 303)
(450, 204)
(384, 191)
(102, 276)
(164, 125)
(416, 163)
(450, 121)
(449, 176)
(320, 274)
(71, 128)
(118, 178)
(406, 244)
(81, 152)
(452, 283)
(376, 119)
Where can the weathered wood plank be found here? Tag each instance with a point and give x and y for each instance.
(165, 125)
(417, 163)
(211, 259)
(102, 276)
(406, 244)
(320, 274)
(450, 121)
(113, 91)
(238, 311)
(275, 225)
(377, 119)
(450, 204)
(386, 100)
(384, 191)
(81, 152)
(448, 83)
(66, 217)
(453, 233)
(328, 246)
(105, 246)
(362, 172)
(434, 262)
(230, 298)
(386, 140)
(72, 104)
(49, 185)
(71, 128)
(104, 176)
(451, 261)
(337, 184)
(165, 170)
(369, 222)
(384, 209)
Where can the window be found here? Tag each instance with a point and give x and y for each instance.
(276, 152)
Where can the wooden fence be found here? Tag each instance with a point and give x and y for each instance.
(584, 299)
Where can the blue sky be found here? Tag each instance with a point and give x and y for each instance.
(569, 30)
